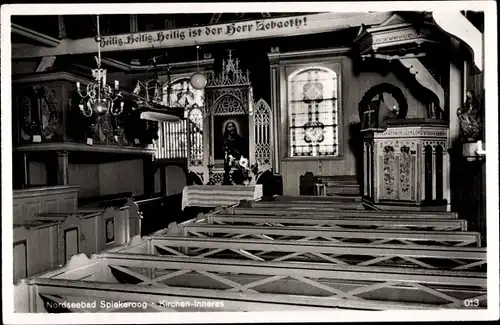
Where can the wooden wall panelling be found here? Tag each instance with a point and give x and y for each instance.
(49, 199)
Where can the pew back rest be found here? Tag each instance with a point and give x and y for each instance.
(35, 248)
(48, 199)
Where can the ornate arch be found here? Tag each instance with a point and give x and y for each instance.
(263, 135)
(228, 104)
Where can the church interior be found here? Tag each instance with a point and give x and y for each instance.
(248, 161)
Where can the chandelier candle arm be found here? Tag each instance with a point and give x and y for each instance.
(99, 96)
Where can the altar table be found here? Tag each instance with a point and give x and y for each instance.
(219, 195)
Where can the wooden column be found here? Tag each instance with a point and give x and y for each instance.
(149, 175)
(365, 169)
(455, 100)
(275, 84)
(163, 180)
(62, 168)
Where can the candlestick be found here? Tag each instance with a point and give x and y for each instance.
(117, 84)
(78, 85)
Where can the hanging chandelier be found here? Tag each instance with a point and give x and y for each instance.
(98, 97)
(198, 79)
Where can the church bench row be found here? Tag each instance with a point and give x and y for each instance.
(310, 205)
(446, 238)
(50, 239)
(284, 211)
(341, 222)
(426, 257)
(246, 285)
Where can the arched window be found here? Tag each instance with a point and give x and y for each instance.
(182, 139)
(313, 112)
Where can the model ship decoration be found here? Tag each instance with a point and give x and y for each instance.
(149, 98)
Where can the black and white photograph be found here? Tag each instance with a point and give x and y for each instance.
(249, 162)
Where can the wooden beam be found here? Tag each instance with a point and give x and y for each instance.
(62, 26)
(424, 77)
(69, 146)
(46, 40)
(221, 33)
(458, 26)
(134, 27)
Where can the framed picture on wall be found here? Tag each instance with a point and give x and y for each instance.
(110, 230)
(233, 129)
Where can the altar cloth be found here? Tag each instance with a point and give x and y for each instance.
(219, 195)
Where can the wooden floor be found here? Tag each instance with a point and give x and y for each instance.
(264, 256)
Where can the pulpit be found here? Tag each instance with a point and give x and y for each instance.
(407, 165)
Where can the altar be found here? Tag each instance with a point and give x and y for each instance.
(219, 195)
(230, 114)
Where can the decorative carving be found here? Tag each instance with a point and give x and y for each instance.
(217, 178)
(389, 163)
(40, 115)
(231, 74)
(195, 133)
(262, 135)
(413, 132)
(405, 173)
(403, 169)
(471, 124)
(228, 105)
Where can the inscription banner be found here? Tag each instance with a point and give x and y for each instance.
(254, 29)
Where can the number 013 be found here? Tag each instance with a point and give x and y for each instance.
(471, 302)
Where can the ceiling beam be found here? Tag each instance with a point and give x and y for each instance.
(35, 36)
(221, 33)
(174, 65)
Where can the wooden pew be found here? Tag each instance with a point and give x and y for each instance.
(280, 211)
(35, 248)
(244, 285)
(445, 238)
(50, 239)
(43, 199)
(427, 257)
(338, 222)
(310, 205)
(152, 214)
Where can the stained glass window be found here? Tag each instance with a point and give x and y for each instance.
(182, 138)
(313, 112)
